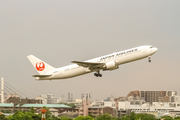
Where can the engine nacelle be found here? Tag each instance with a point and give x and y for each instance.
(111, 65)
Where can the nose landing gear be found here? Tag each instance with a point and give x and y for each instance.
(149, 59)
(97, 74)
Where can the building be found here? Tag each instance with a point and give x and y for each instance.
(134, 93)
(175, 99)
(96, 111)
(69, 114)
(51, 99)
(153, 96)
(83, 110)
(26, 107)
(97, 103)
(18, 100)
(48, 99)
(110, 104)
(70, 97)
(54, 112)
(121, 113)
(124, 105)
(77, 103)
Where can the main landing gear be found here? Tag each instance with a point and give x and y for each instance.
(97, 74)
(149, 59)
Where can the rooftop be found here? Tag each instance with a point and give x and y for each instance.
(35, 105)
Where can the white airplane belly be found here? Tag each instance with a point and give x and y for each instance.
(75, 72)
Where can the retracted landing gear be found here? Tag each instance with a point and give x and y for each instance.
(149, 58)
(97, 74)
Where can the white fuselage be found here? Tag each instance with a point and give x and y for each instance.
(121, 57)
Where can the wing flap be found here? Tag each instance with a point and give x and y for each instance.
(90, 65)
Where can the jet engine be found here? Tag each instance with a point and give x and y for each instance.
(111, 65)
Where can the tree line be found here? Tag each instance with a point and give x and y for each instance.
(31, 115)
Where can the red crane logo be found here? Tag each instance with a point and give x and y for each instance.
(40, 66)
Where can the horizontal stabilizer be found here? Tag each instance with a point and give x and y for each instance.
(42, 75)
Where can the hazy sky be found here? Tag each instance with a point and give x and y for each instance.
(59, 31)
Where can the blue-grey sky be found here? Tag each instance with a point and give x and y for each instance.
(59, 31)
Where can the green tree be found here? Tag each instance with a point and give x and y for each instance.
(132, 116)
(53, 118)
(65, 118)
(5, 111)
(3, 117)
(91, 115)
(69, 104)
(167, 118)
(36, 117)
(84, 118)
(177, 118)
(104, 117)
(143, 116)
(27, 116)
(32, 110)
(115, 118)
(19, 115)
(10, 117)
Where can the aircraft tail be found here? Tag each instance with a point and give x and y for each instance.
(41, 67)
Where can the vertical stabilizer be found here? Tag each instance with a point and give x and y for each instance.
(39, 65)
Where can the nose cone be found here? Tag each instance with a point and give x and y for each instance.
(155, 49)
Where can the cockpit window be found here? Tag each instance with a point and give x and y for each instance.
(151, 47)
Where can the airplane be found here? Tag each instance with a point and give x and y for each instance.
(107, 62)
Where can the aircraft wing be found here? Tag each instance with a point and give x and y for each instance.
(90, 65)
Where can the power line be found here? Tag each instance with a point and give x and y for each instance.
(12, 91)
(8, 87)
(16, 89)
(7, 91)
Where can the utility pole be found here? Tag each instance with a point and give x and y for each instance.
(2, 90)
